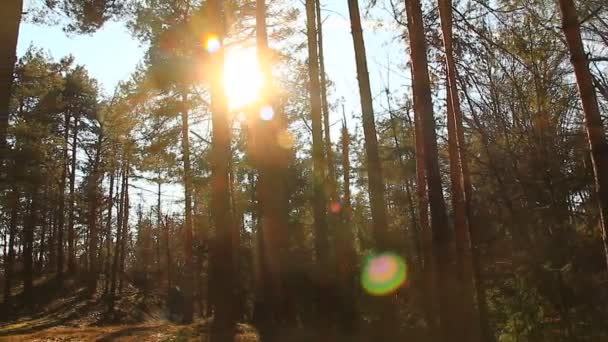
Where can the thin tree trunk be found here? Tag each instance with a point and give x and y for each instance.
(61, 208)
(466, 236)
(345, 250)
(71, 235)
(108, 232)
(222, 255)
(92, 219)
(384, 326)
(331, 170)
(448, 310)
(189, 265)
(125, 238)
(9, 35)
(374, 167)
(28, 247)
(10, 256)
(593, 119)
(121, 209)
(319, 200)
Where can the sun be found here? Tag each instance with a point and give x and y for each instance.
(243, 80)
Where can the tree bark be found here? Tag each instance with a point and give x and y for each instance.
(108, 232)
(28, 247)
(10, 256)
(593, 119)
(319, 200)
(189, 265)
(222, 254)
(93, 194)
(61, 208)
(9, 35)
(385, 321)
(448, 311)
(71, 235)
(271, 160)
(331, 170)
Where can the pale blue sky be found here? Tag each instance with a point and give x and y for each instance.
(111, 54)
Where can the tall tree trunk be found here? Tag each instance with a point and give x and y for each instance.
(168, 251)
(345, 250)
(386, 316)
(10, 256)
(426, 242)
(448, 310)
(271, 160)
(9, 35)
(374, 167)
(189, 265)
(125, 238)
(319, 180)
(466, 236)
(61, 207)
(331, 170)
(108, 233)
(593, 119)
(93, 194)
(28, 246)
(222, 258)
(120, 217)
(71, 235)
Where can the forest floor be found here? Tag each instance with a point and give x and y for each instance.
(68, 314)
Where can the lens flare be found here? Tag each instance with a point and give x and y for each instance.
(266, 113)
(335, 207)
(383, 274)
(212, 43)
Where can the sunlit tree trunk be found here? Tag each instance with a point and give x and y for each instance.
(9, 34)
(321, 244)
(593, 119)
(441, 234)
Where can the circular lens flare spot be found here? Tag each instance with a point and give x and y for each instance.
(383, 274)
(266, 113)
(212, 43)
(285, 140)
(335, 207)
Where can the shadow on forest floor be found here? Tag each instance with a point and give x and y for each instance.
(67, 313)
